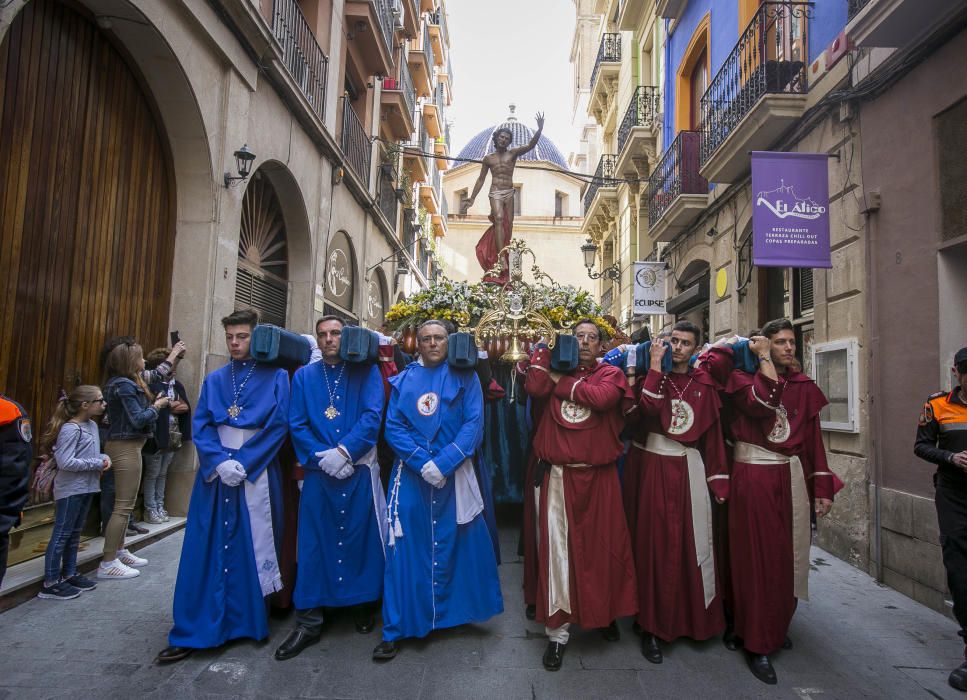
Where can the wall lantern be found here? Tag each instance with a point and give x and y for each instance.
(590, 251)
(243, 163)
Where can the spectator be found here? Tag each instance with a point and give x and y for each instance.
(15, 454)
(172, 429)
(76, 447)
(132, 412)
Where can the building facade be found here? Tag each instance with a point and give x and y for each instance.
(870, 84)
(124, 212)
(547, 203)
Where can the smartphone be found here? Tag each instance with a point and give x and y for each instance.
(175, 339)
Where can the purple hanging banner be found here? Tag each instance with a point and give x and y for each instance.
(790, 210)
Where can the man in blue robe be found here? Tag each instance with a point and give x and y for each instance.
(440, 565)
(229, 559)
(334, 421)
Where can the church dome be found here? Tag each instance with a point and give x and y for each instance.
(482, 144)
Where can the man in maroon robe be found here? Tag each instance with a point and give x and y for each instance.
(679, 453)
(779, 471)
(587, 572)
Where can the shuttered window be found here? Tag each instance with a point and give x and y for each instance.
(803, 292)
(262, 293)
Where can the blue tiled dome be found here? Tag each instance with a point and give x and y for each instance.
(483, 144)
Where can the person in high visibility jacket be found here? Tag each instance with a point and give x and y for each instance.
(15, 456)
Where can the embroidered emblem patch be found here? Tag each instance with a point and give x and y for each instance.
(574, 412)
(23, 427)
(683, 417)
(780, 431)
(427, 404)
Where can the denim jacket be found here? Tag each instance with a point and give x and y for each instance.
(130, 414)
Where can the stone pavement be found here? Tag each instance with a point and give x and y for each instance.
(853, 639)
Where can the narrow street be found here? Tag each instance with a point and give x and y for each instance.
(852, 639)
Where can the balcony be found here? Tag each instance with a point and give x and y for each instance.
(430, 191)
(899, 23)
(638, 131)
(434, 118)
(441, 147)
(421, 59)
(354, 143)
(758, 93)
(301, 54)
(398, 100)
(601, 198)
(370, 26)
(677, 193)
(411, 17)
(604, 80)
(670, 9)
(436, 24)
(387, 197)
(631, 12)
(440, 220)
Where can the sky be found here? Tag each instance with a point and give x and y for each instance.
(511, 51)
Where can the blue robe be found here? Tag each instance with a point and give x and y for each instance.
(438, 573)
(218, 594)
(340, 547)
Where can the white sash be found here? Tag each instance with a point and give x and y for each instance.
(558, 563)
(379, 497)
(801, 533)
(701, 505)
(259, 506)
(467, 492)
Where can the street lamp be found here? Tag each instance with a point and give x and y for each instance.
(243, 164)
(590, 252)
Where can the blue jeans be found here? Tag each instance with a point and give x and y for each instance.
(60, 561)
(154, 477)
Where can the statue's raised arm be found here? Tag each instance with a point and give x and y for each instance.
(532, 144)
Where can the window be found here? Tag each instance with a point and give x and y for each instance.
(517, 198)
(835, 371)
(802, 285)
(698, 83)
(692, 79)
(560, 205)
(462, 201)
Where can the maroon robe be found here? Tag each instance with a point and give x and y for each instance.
(671, 595)
(760, 508)
(487, 249)
(529, 523)
(581, 425)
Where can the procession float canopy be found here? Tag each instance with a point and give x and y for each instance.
(505, 319)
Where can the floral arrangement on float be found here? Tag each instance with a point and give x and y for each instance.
(506, 319)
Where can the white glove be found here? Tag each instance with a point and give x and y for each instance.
(231, 473)
(346, 472)
(432, 475)
(332, 461)
(300, 482)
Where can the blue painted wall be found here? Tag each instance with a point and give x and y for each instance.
(829, 19)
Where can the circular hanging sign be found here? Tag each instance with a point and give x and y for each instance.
(721, 283)
(340, 271)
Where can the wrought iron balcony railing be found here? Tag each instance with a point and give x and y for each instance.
(853, 7)
(676, 174)
(770, 57)
(428, 49)
(603, 177)
(643, 111)
(406, 87)
(354, 142)
(301, 54)
(439, 18)
(384, 12)
(608, 52)
(436, 179)
(388, 203)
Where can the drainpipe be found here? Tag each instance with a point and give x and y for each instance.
(875, 396)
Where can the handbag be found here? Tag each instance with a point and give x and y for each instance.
(42, 485)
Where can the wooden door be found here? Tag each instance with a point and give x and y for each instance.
(86, 220)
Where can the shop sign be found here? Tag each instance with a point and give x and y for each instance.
(649, 293)
(340, 271)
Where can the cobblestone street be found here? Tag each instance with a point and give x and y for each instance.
(853, 639)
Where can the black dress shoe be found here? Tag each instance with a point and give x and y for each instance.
(169, 655)
(651, 648)
(530, 612)
(958, 677)
(731, 640)
(553, 656)
(787, 643)
(762, 668)
(611, 633)
(365, 623)
(294, 644)
(385, 651)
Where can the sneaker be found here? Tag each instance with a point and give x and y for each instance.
(164, 515)
(135, 529)
(59, 591)
(116, 570)
(154, 517)
(129, 559)
(82, 583)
